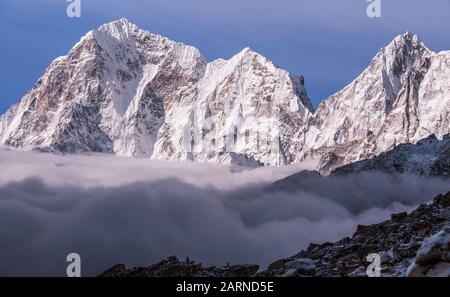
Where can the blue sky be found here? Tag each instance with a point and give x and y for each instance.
(329, 42)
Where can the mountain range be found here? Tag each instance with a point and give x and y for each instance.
(125, 91)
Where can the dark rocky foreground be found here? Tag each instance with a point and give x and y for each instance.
(172, 267)
(414, 244)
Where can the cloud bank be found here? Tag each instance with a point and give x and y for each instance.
(117, 210)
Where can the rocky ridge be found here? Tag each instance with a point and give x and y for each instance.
(428, 157)
(173, 267)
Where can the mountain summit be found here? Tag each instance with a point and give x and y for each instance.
(126, 91)
(402, 97)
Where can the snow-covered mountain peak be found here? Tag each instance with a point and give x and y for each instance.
(408, 38)
(414, 40)
(244, 106)
(404, 44)
(254, 62)
(401, 97)
(406, 49)
(247, 55)
(120, 29)
(127, 91)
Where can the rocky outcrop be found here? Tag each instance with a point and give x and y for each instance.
(172, 267)
(414, 244)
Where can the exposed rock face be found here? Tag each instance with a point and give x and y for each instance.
(402, 97)
(429, 157)
(172, 267)
(126, 91)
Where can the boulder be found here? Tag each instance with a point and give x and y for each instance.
(303, 266)
(277, 265)
(433, 257)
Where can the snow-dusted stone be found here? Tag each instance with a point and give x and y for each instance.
(433, 257)
(304, 266)
(440, 270)
(435, 249)
(359, 272)
(291, 273)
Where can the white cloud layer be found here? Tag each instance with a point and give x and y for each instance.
(117, 210)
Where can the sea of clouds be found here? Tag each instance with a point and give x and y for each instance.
(114, 210)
